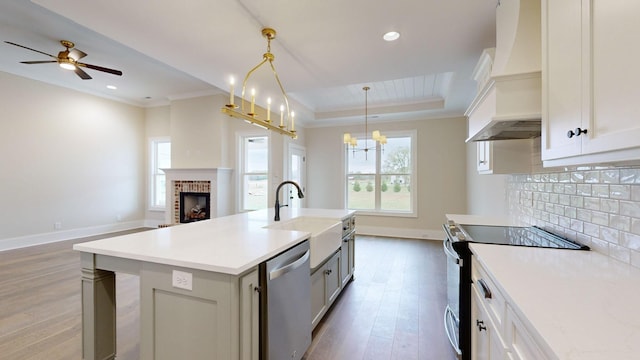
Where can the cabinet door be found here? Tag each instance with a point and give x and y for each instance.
(344, 261)
(523, 347)
(486, 340)
(318, 295)
(333, 278)
(352, 254)
(347, 258)
(614, 58)
(562, 77)
(249, 317)
(480, 349)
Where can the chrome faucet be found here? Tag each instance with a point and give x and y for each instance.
(277, 206)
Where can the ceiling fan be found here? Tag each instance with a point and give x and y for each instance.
(68, 59)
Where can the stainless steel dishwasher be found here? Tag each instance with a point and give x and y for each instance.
(285, 304)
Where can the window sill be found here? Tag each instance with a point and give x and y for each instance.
(386, 213)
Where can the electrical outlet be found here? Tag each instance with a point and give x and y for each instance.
(57, 225)
(182, 280)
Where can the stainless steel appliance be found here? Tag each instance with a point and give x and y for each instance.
(457, 315)
(285, 304)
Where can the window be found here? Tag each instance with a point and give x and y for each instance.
(254, 172)
(380, 180)
(160, 152)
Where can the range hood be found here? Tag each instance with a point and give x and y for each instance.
(509, 100)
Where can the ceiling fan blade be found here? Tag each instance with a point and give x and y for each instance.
(76, 54)
(82, 74)
(28, 48)
(100, 68)
(38, 62)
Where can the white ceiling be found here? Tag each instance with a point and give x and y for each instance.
(325, 51)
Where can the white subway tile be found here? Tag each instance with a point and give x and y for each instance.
(592, 177)
(635, 192)
(609, 235)
(610, 176)
(600, 190)
(583, 189)
(600, 218)
(583, 214)
(610, 206)
(622, 192)
(577, 177)
(631, 241)
(592, 203)
(620, 222)
(620, 253)
(630, 208)
(630, 176)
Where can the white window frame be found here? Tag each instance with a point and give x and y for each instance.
(240, 141)
(154, 171)
(413, 134)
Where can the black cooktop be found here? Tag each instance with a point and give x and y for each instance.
(520, 236)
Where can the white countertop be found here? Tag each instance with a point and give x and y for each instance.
(229, 245)
(584, 305)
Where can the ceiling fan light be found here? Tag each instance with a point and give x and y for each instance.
(67, 66)
(354, 141)
(346, 138)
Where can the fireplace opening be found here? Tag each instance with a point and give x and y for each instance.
(194, 206)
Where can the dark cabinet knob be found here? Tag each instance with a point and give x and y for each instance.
(576, 132)
(480, 325)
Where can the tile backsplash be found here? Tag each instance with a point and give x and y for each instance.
(595, 206)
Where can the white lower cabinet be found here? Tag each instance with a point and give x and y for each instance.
(486, 338)
(523, 347)
(497, 331)
(325, 287)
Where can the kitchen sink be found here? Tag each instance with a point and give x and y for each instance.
(326, 235)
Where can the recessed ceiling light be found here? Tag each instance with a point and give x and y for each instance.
(391, 36)
(112, 87)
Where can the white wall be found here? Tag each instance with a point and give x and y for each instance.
(486, 194)
(441, 175)
(69, 158)
(158, 124)
(199, 133)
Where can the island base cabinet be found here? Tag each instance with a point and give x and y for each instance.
(204, 322)
(325, 287)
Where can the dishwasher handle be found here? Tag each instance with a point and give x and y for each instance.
(276, 273)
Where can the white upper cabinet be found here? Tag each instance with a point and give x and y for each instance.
(590, 58)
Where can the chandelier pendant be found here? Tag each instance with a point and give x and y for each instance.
(251, 116)
(375, 135)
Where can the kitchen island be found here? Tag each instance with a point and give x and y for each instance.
(194, 278)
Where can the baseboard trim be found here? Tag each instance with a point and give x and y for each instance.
(427, 234)
(46, 238)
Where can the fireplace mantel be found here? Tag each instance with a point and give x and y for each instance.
(216, 180)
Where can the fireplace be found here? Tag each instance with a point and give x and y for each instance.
(198, 193)
(194, 206)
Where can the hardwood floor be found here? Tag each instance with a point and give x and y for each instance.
(393, 309)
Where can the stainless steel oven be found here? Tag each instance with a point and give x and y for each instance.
(457, 314)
